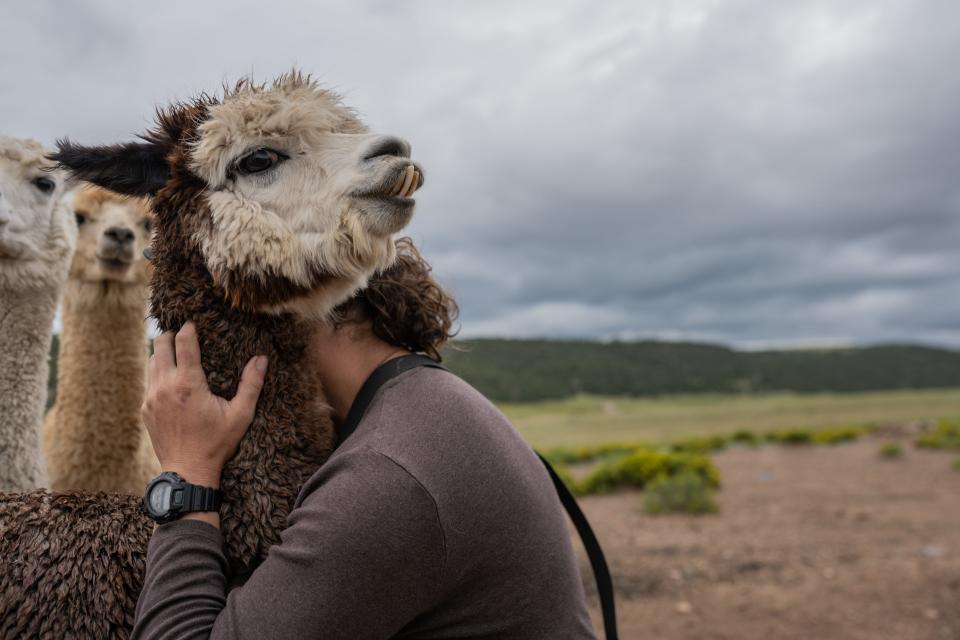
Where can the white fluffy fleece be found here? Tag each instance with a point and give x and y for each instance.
(40, 234)
(302, 217)
(292, 112)
(36, 245)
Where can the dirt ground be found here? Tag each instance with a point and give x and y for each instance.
(811, 542)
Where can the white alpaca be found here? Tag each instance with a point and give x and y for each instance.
(37, 237)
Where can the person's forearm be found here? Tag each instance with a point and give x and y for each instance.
(185, 582)
(209, 517)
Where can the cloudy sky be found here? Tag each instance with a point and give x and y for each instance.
(743, 171)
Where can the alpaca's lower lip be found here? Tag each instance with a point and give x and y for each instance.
(397, 201)
(114, 264)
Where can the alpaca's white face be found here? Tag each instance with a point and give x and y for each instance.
(298, 187)
(114, 230)
(37, 231)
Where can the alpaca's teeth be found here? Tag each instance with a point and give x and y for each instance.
(408, 179)
(415, 183)
(406, 184)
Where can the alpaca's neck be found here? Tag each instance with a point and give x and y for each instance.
(26, 327)
(100, 384)
(292, 432)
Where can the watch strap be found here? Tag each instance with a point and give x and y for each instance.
(197, 498)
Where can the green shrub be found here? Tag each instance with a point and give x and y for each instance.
(838, 435)
(743, 436)
(686, 492)
(790, 436)
(946, 435)
(577, 455)
(890, 450)
(701, 444)
(644, 466)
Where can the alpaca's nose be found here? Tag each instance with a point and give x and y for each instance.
(387, 146)
(119, 235)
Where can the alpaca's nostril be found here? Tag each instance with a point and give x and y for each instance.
(120, 235)
(387, 146)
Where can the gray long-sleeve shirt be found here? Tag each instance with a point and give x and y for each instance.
(433, 520)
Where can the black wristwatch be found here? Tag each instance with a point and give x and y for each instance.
(169, 496)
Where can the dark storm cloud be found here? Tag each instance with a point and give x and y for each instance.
(745, 171)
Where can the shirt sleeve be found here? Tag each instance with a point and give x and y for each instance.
(362, 556)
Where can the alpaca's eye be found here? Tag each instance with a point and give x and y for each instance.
(147, 225)
(45, 185)
(259, 161)
(82, 216)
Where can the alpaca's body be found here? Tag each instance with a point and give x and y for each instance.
(93, 438)
(71, 564)
(37, 236)
(26, 327)
(230, 273)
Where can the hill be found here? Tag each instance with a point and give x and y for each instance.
(527, 370)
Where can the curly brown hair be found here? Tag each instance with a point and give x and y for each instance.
(405, 305)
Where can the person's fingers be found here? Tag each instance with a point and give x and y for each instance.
(248, 391)
(163, 352)
(188, 353)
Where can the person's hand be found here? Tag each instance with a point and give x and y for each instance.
(193, 431)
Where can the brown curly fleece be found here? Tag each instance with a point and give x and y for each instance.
(71, 564)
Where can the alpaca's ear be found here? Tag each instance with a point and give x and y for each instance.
(132, 168)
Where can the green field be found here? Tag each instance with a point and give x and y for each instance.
(591, 420)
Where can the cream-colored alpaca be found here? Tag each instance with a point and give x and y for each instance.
(93, 438)
(37, 235)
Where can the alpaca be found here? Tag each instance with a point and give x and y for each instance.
(271, 205)
(37, 236)
(93, 438)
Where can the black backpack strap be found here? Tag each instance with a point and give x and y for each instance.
(597, 560)
(396, 366)
(389, 369)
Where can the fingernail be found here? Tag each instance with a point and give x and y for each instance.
(261, 364)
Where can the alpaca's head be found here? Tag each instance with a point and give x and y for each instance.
(281, 190)
(37, 232)
(113, 232)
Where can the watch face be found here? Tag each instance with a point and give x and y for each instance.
(160, 498)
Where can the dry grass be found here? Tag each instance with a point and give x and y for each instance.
(589, 420)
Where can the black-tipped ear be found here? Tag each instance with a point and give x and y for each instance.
(132, 168)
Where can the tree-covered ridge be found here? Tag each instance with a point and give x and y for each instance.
(527, 370)
(523, 370)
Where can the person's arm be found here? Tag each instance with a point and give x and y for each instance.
(362, 557)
